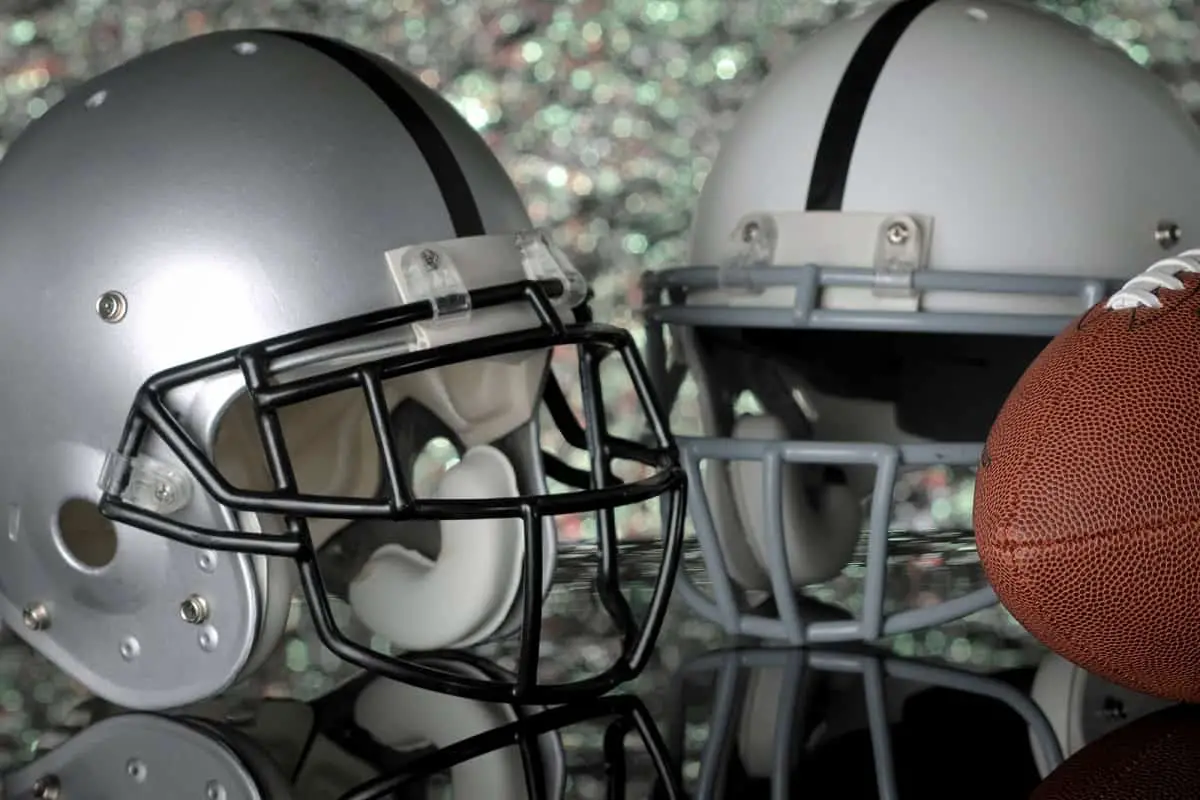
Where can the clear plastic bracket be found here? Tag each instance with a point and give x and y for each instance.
(424, 273)
(543, 260)
(146, 482)
(757, 237)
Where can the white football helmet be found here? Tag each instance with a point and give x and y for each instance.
(899, 220)
(1082, 707)
(773, 712)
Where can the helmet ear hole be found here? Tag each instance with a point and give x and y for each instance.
(88, 538)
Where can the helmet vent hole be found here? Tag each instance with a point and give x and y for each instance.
(88, 537)
(977, 14)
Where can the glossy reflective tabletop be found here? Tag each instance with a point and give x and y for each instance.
(951, 714)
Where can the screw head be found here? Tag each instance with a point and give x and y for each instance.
(47, 787)
(208, 639)
(194, 610)
(136, 769)
(750, 231)
(1113, 709)
(432, 259)
(130, 648)
(1167, 234)
(111, 306)
(898, 233)
(36, 617)
(206, 560)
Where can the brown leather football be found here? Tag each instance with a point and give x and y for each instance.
(1154, 758)
(1087, 500)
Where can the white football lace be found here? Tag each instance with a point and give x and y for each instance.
(1139, 290)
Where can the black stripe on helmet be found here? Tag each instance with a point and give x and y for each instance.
(827, 185)
(447, 172)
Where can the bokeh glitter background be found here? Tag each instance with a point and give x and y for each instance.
(607, 114)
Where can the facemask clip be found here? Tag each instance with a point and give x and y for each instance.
(756, 237)
(425, 273)
(543, 260)
(145, 482)
(902, 247)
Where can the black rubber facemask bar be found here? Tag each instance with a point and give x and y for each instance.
(335, 721)
(600, 491)
(628, 714)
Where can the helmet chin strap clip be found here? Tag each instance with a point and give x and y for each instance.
(901, 248)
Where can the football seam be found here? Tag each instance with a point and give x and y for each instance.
(1014, 500)
(1006, 543)
(1067, 643)
(1005, 547)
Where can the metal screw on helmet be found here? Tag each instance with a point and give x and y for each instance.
(750, 231)
(111, 306)
(163, 493)
(1113, 709)
(136, 769)
(431, 259)
(1167, 234)
(36, 617)
(194, 610)
(897, 233)
(47, 788)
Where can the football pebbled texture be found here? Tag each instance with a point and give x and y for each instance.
(1156, 757)
(1087, 498)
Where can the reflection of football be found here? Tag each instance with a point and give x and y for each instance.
(1156, 757)
(1087, 500)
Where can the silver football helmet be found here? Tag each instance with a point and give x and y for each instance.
(255, 271)
(368, 738)
(899, 220)
(146, 755)
(338, 745)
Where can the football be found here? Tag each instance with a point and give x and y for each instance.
(1087, 498)
(1156, 757)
